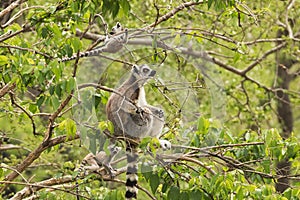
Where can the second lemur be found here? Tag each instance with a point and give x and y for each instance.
(113, 44)
(92, 163)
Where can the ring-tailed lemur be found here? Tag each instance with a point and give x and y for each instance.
(113, 44)
(134, 120)
(93, 162)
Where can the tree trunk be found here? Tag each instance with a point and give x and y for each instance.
(284, 109)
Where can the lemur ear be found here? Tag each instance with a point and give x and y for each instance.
(118, 25)
(135, 69)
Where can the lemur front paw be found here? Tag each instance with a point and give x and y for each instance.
(165, 144)
(159, 113)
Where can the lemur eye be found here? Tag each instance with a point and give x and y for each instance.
(113, 31)
(146, 70)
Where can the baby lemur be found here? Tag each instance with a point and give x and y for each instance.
(134, 118)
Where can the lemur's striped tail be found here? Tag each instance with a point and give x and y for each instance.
(131, 174)
(94, 52)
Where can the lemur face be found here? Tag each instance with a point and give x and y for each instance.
(116, 29)
(143, 72)
(114, 149)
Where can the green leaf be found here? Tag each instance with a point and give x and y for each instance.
(185, 195)
(125, 6)
(56, 70)
(54, 102)
(104, 96)
(32, 108)
(68, 49)
(146, 170)
(102, 125)
(195, 195)
(272, 137)
(51, 90)
(40, 101)
(165, 187)
(177, 39)
(70, 85)
(69, 126)
(144, 143)
(68, 165)
(27, 69)
(115, 10)
(236, 57)
(58, 90)
(293, 147)
(110, 127)
(154, 182)
(203, 125)
(174, 193)
(76, 44)
(44, 32)
(3, 60)
(209, 3)
(93, 144)
(56, 30)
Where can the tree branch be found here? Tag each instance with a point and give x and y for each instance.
(18, 14)
(5, 147)
(26, 49)
(11, 7)
(34, 187)
(6, 89)
(33, 155)
(173, 12)
(273, 50)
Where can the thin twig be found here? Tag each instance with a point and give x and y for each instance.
(33, 187)
(26, 49)
(18, 14)
(29, 115)
(12, 169)
(218, 146)
(173, 12)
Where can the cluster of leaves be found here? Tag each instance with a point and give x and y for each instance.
(233, 171)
